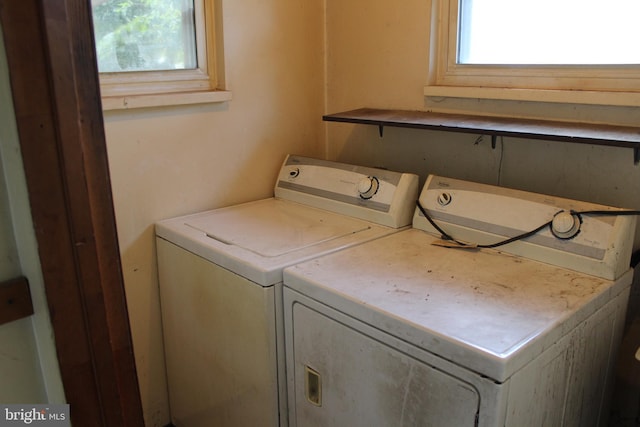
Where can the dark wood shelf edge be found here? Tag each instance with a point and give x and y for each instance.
(582, 133)
(15, 300)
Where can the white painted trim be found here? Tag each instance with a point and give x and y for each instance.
(621, 99)
(163, 100)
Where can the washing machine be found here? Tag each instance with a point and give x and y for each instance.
(220, 275)
(498, 308)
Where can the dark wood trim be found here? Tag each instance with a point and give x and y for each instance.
(15, 300)
(54, 79)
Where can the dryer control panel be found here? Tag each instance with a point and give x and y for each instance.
(571, 233)
(378, 195)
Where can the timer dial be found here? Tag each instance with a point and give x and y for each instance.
(444, 199)
(565, 225)
(368, 186)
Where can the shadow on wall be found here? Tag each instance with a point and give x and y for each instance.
(456, 155)
(140, 275)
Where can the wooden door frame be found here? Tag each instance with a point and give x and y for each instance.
(56, 95)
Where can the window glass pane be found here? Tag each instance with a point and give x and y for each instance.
(549, 32)
(144, 35)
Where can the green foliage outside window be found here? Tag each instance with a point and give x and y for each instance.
(144, 35)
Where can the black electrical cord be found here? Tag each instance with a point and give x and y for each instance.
(446, 236)
(606, 213)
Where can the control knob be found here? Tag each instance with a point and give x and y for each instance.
(565, 225)
(368, 186)
(293, 173)
(444, 199)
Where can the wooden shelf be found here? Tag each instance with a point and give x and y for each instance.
(583, 133)
(15, 300)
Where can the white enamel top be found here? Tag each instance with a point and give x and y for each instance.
(489, 311)
(317, 210)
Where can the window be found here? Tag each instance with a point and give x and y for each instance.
(158, 52)
(155, 35)
(579, 51)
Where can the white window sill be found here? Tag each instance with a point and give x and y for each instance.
(121, 102)
(619, 99)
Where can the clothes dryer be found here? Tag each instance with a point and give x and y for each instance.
(220, 275)
(520, 328)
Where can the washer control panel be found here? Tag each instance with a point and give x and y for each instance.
(484, 214)
(379, 195)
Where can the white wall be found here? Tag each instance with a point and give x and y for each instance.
(172, 161)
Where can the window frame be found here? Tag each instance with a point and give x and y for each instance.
(593, 84)
(206, 83)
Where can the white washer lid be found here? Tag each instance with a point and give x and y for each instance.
(275, 228)
(237, 237)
